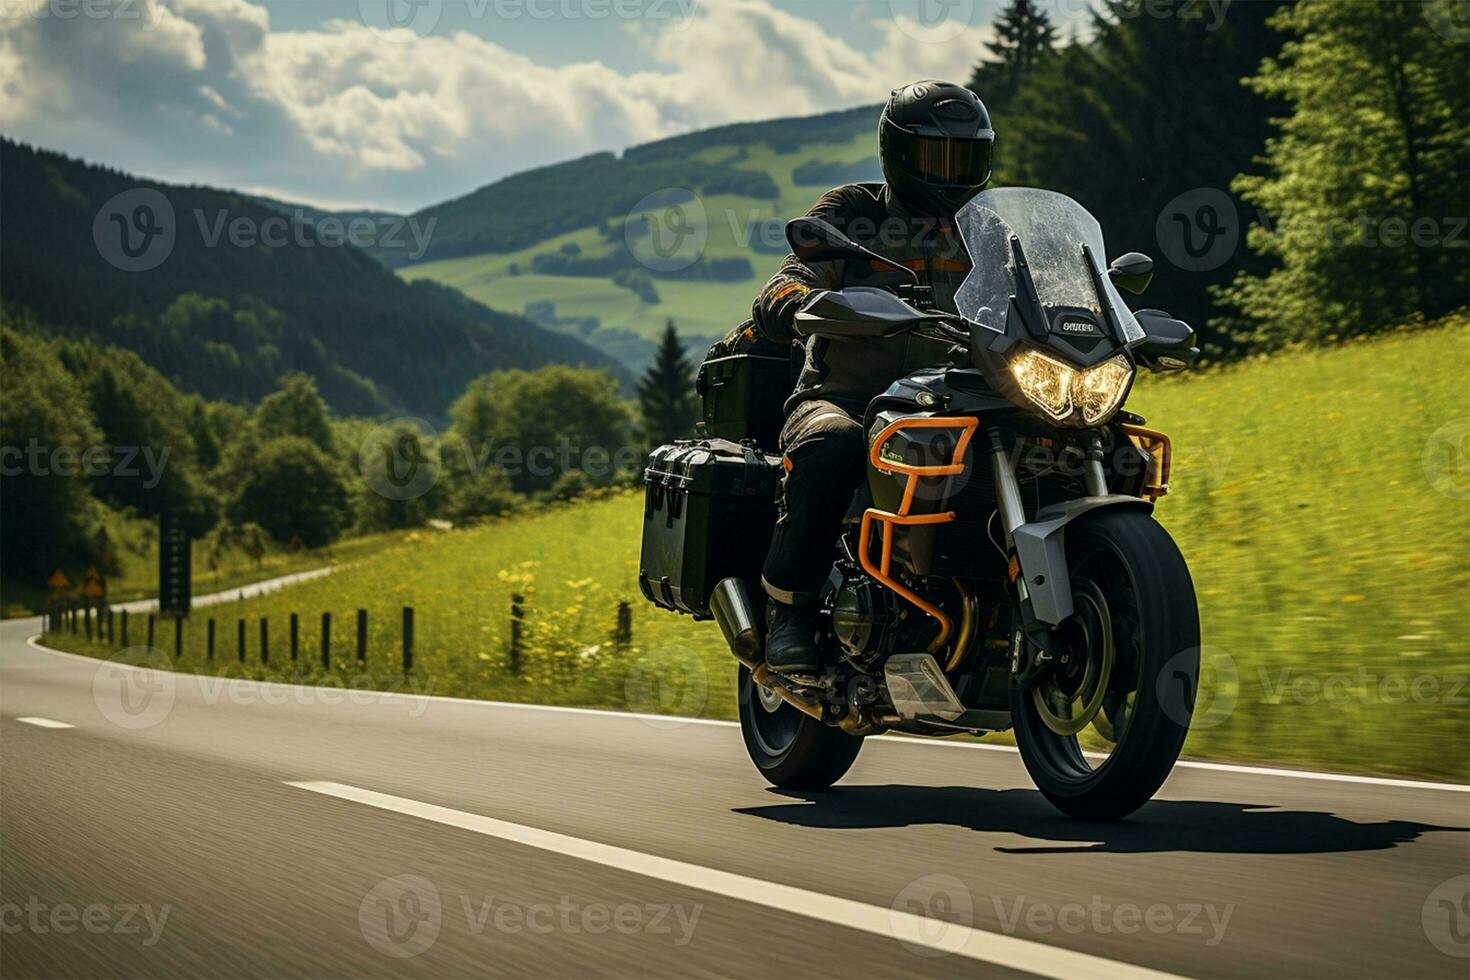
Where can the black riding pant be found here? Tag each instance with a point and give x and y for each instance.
(823, 449)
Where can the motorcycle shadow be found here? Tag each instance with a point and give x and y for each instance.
(1198, 826)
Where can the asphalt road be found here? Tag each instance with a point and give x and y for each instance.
(187, 827)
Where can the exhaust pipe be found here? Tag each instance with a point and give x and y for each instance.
(734, 610)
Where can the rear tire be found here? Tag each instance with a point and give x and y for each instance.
(790, 748)
(1132, 562)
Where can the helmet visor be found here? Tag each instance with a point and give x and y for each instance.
(943, 160)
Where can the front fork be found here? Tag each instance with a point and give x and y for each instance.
(1042, 649)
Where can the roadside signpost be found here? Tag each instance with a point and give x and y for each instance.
(174, 569)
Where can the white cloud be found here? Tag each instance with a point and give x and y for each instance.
(204, 90)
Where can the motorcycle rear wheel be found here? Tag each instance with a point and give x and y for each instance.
(1132, 584)
(791, 749)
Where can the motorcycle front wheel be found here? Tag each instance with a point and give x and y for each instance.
(1128, 684)
(792, 749)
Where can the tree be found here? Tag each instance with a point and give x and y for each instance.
(295, 409)
(1024, 37)
(294, 489)
(666, 393)
(1128, 124)
(1365, 177)
(45, 428)
(535, 425)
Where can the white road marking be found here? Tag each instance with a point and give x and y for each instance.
(1225, 767)
(45, 723)
(913, 930)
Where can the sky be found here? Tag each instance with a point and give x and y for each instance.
(399, 104)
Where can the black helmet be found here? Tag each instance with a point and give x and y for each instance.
(935, 140)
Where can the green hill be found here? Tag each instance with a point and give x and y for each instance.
(553, 241)
(1331, 568)
(234, 301)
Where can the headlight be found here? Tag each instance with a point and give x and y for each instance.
(1059, 389)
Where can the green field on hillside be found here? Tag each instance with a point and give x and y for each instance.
(1320, 497)
(703, 310)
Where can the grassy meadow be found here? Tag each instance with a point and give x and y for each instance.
(1320, 497)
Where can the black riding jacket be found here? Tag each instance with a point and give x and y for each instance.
(850, 373)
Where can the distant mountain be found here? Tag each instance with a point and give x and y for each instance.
(316, 215)
(223, 294)
(529, 207)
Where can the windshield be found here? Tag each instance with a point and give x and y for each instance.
(1052, 228)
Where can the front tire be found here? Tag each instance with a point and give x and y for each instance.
(1138, 619)
(792, 749)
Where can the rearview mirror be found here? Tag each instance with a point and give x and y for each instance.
(814, 240)
(1132, 272)
(1168, 345)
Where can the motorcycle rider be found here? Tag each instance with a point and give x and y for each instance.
(934, 144)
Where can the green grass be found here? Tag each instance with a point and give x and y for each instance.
(1328, 538)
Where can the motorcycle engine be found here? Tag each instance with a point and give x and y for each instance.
(864, 620)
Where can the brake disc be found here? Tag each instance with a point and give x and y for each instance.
(1067, 708)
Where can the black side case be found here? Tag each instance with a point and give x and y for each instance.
(743, 385)
(708, 513)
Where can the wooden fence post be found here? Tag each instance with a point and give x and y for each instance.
(361, 637)
(240, 640)
(150, 631)
(87, 620)
(407, 639)
(517, 621)
(623, 634)
(265, 640)
(124, 627)
(178, 637)
(209, 641)
(295, 634)
(326, 641)
(111, 628)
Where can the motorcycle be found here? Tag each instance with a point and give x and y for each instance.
(1001, 569)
